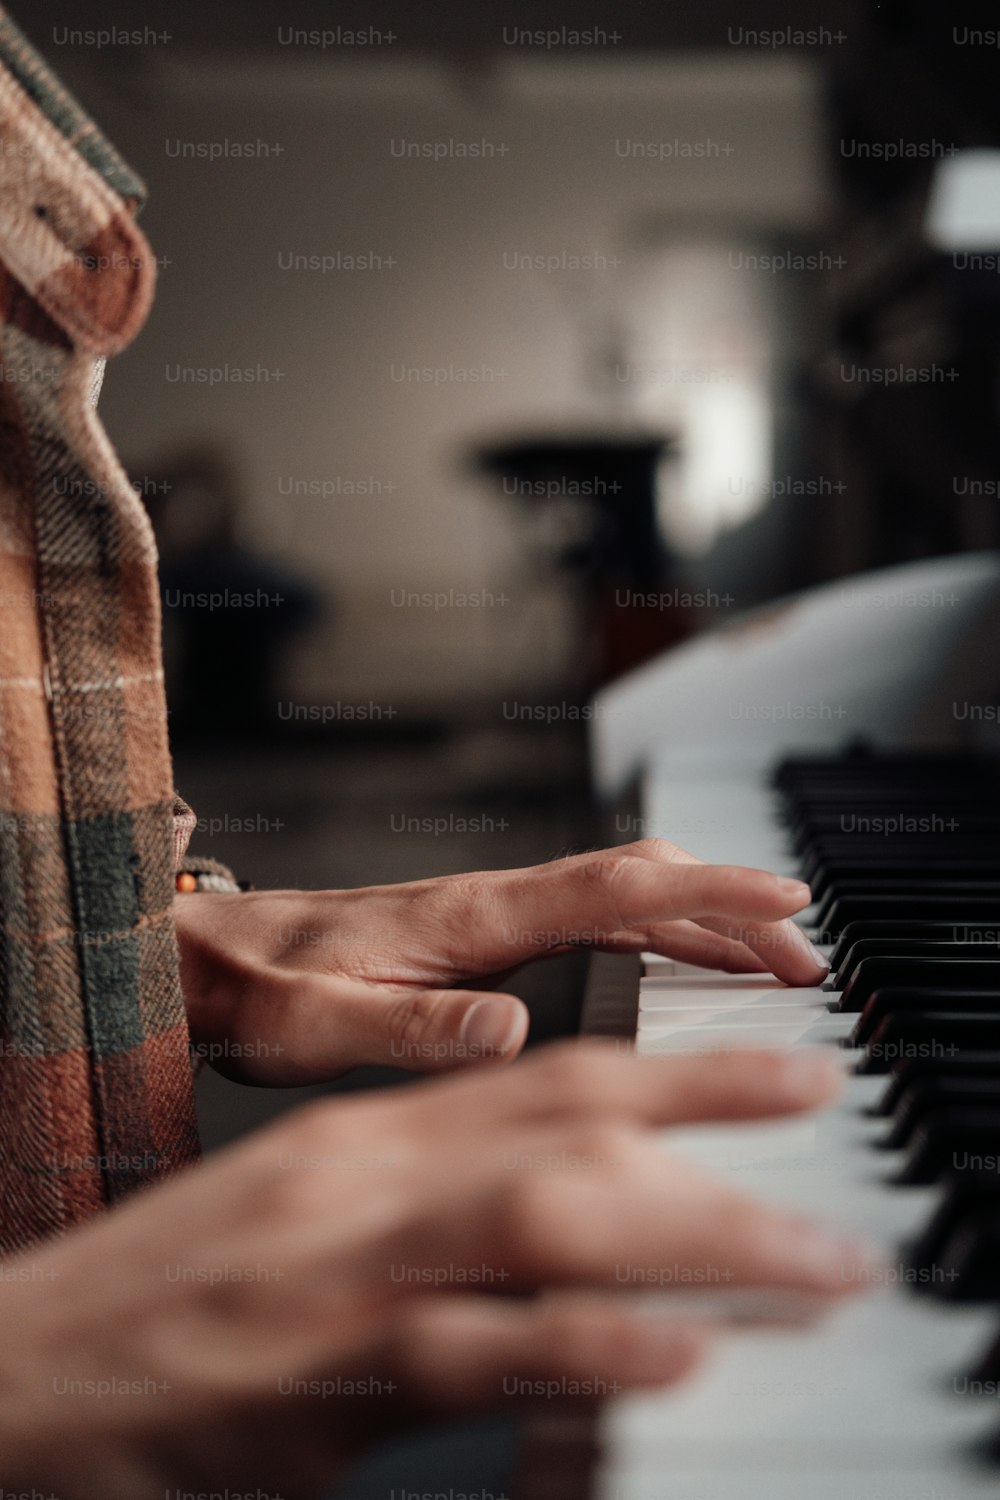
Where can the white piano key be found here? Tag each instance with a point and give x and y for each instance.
(866, 1396)
(787, 1028)
(665, 995)
(723, 1305)
(785, 1014)
(866, 1404)
(705, 979)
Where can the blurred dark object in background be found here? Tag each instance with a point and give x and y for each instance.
(904, 107)
(613, 546)
(229, 614)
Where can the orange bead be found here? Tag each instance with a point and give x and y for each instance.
(187, 882)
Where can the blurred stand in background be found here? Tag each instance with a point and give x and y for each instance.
(591, 506)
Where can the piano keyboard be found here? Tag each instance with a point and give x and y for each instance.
(894, 1395)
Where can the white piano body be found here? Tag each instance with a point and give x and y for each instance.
(869, 1403)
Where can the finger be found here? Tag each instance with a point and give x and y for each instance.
(697, 943)
(594, 1081)
(781, 947)
(636, 1217)
(688, 942)
(661, 850)
(592, 901)
(460, 1354)
(424, 1030)
(437, 1030)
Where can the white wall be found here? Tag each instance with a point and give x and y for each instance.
(560, 189)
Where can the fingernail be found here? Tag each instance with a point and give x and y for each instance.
(818, 958)
(797, 888)
(821, 959)
(837, 1260)
(490, 1026)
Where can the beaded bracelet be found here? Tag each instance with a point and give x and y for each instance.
(198, 873)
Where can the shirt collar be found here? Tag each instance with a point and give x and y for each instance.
(42, 85)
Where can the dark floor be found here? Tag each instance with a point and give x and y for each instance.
(335, 812)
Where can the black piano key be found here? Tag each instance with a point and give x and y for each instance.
(902, 891)
(908, 948)
(968, 1268)
(948, 1091)
(955, 1141)
(963, 1197)
(821, 873)
(835, 855)
(907, 908)
(986, 1370)
(975, 840)
(886, 1001)
(917, 809)
(892, 785)
(882, 858)
(929, 1034)
(893, 789)
(912, 1072)
(984, 933)
(844, 848)
(917, 973)
(912, 884)
(890, 845)
(864, 760)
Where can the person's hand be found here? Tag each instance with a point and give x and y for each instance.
(461, 1246)
(291, 987)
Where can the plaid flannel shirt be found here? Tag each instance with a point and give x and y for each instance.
(96, 1093)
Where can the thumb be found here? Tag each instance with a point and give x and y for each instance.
(432, 1031)
(425, 1030)
(326, 1027)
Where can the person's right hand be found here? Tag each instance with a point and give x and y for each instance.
(458, 1246)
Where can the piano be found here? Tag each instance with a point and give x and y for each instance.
(848, 736)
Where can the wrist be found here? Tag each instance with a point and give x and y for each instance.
(31, 1437)
(198, 873)
(206, 924)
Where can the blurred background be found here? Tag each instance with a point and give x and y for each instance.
(495, 350)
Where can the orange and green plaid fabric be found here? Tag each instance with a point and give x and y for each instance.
(95, 1075)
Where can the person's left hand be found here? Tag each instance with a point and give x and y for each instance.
(295, 987)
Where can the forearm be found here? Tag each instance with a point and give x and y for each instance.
(43, 1428)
